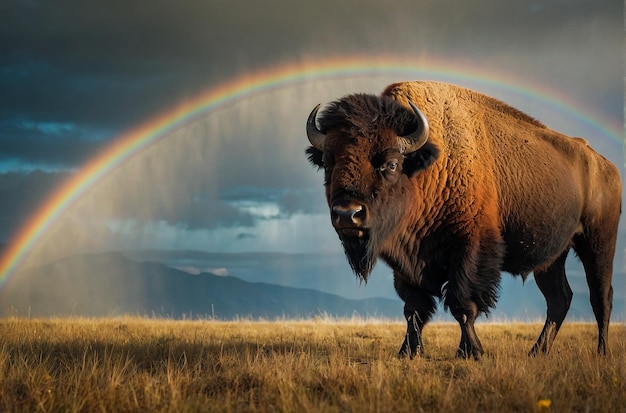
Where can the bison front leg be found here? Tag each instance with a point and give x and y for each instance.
(418, 308)
(412, 345)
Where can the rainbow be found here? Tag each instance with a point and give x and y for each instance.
(262, 81)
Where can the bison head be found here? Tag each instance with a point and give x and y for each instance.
(370, 147)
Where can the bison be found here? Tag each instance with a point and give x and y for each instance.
(450, 187)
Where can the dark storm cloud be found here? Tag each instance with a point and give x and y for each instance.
(288, 200)
(21, 194)
(306, 201)
(74, 74)
(206, 215)
(245, 235)
(48, 144)
(107, 65)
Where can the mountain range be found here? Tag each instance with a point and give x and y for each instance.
(109, 284)
(198, 284)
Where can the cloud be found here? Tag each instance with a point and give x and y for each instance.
(245, 235)
(106, 67)
(74, 75)
(305, 200)
(191, 269)
(49, 144)
(21, 195)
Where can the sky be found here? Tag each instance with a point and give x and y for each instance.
(76, 75)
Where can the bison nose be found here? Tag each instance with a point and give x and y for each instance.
(348, 215)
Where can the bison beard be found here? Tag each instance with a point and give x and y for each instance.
(362, 253)
(359, 255)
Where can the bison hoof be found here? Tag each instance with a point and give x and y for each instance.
(538, 348)
(405, 352)
(464, 354)
(403, 355)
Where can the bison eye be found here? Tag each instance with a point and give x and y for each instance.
(389, 168)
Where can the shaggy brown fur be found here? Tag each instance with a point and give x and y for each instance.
(493, 189)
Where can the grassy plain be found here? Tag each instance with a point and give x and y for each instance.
(137, 364)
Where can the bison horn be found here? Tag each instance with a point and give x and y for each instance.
(416, 139)
(316, 137)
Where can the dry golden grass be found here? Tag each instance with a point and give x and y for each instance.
(134, 364)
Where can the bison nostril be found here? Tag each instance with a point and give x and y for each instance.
(352, 215)
(359, 214)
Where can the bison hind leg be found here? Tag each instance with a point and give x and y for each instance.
(552, 283)
(470, 345)
(596, 251)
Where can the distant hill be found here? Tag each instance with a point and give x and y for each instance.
(108, 284)
(187, 284)
(328, 272)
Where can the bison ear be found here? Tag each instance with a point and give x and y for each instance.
(315, 156)
(420, 159)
